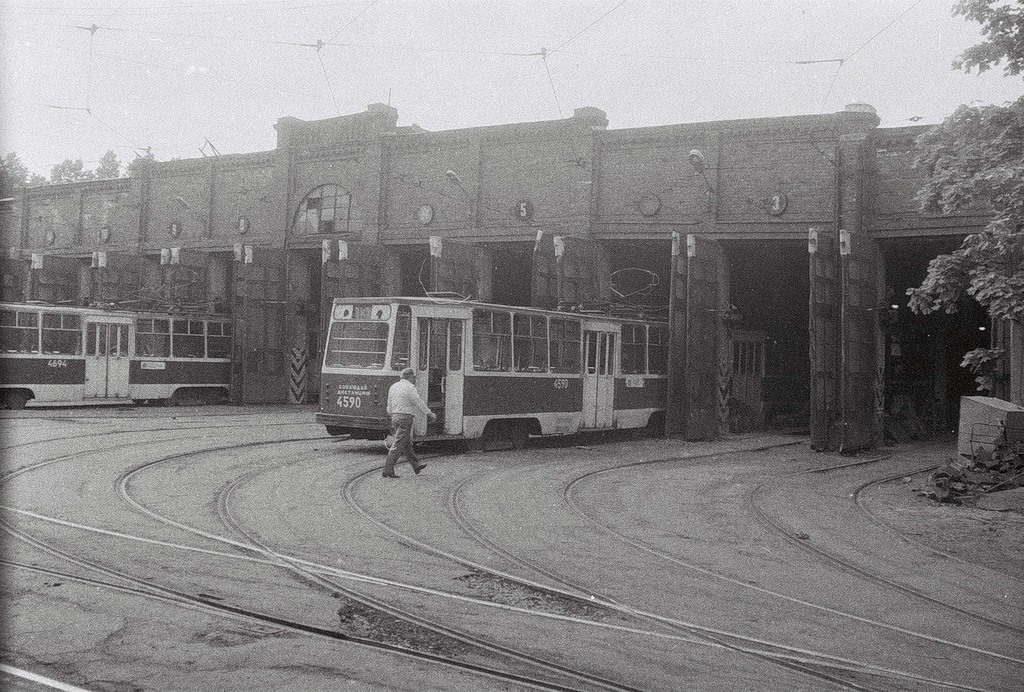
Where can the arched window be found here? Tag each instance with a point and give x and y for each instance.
(324, 209)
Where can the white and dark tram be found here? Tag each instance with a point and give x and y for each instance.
(58, 355)
(491, 371)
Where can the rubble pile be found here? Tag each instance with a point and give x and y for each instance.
(973, 481)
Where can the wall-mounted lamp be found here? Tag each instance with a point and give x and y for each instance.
(695, 157)
(697, 161)
(454, 177)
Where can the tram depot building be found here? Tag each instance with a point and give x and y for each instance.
(779, 250)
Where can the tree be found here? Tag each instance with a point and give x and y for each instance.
(110, 167)
(68, 171)
(1002, 23)
(976, 158)
(135, 166)
(13, 174)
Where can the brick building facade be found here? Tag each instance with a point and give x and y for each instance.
(794, 237)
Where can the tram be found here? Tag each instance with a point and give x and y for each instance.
(491, 372)
(56, 355)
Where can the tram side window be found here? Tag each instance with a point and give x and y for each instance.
(591, 349)
(492, 340)
(188, 339)
(530, 344)
(403, 338)
(634, 349)
(19, 332)
(218, 340)
(357, 345)
(455, 345)
(657, 351)
(565, 346)
(153, 338)
(62, 334)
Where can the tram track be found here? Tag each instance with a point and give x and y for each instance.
(859, 499)
(835, 560)
(403, 615)
(176, 428)
(253, 545)
(309, 576)
(654, 551)
(205, 602)
(823, 667)
(324, 576)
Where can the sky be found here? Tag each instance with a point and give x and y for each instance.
(188, 78)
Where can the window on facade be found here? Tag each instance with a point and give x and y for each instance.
(403, 338)
(357, 345)
(19, 332)
(218, 340)
(492, 340)
(634, 349)
(153, 338)
(189, 339)
(62, 334)
(324, 210)
(565, 346)
(530, 344)
(657, 350)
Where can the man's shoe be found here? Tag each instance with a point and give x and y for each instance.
(390, 475)
(419, 468)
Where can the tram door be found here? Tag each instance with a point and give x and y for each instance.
(440, 373)
(106, 360)
(598, 378)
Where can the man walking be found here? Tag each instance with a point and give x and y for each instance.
(403, 403)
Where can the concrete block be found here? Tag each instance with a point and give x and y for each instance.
(983, 420)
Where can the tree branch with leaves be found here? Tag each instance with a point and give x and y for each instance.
(975, 160)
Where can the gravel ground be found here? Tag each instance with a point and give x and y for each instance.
(708, 548)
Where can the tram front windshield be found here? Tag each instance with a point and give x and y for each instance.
(357, 345)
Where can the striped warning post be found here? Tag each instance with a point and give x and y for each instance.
(298, 376)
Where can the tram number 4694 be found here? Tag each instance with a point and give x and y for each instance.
(350, 401)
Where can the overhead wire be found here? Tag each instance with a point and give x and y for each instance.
(544, 54)
(201, 9)
(861, 47)
(588, 27)
(353, 20)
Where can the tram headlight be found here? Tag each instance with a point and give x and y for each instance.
(342, 312)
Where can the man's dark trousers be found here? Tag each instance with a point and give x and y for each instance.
(401, 425)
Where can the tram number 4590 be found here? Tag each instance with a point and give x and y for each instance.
(350, 401)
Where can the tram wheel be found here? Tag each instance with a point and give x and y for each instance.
(517, 435)
(505, 434)
(16, 399)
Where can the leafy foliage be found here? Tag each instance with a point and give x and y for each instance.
(136, 165)
(68, 171)
(110, 166)
(976, 157)
(982, 362)
(975, 160)
(15, 174)
(1002, 23)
